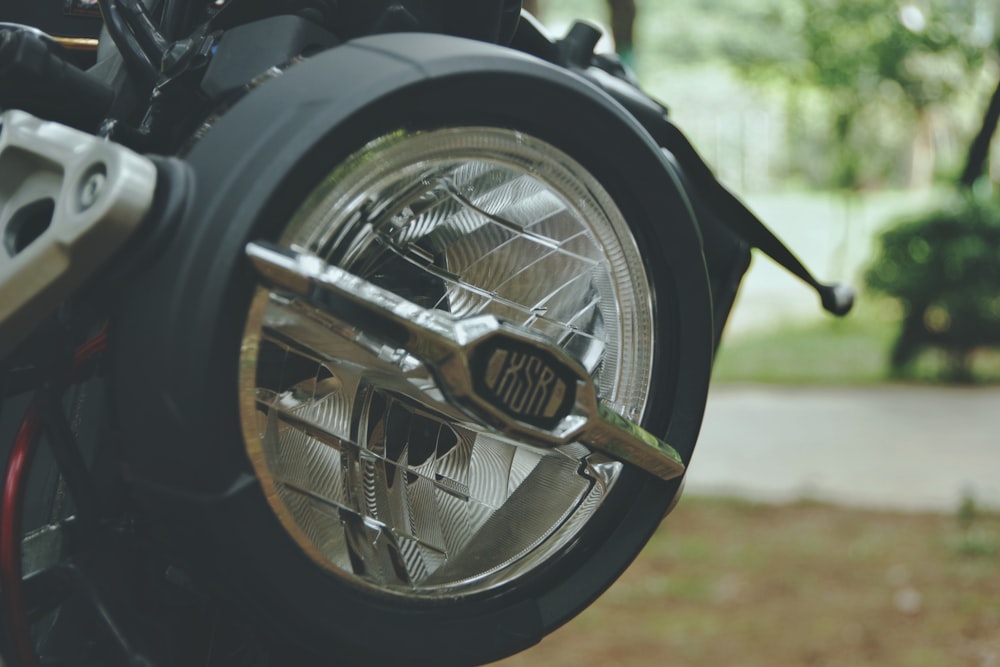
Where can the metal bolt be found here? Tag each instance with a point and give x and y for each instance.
(91, 189)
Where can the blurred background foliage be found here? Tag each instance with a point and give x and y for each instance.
(944, 268)
(874, 76)
(839, 108)
(855, 94)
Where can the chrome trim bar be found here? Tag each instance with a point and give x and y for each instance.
(507, 377)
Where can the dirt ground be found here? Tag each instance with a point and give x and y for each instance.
(727, 583)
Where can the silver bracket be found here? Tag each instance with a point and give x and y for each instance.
(507, 377)
(68, 201)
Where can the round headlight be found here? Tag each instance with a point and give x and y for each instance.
(333, 496)
(411, 499)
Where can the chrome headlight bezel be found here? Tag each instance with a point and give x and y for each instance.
(492, 216)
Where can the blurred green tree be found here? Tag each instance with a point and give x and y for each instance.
(944, 269)
(872, 74)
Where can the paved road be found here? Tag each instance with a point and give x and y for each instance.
(910, 448)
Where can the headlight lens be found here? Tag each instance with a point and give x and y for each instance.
(415, 500)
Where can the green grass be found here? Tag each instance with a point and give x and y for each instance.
(851, 351)
(727, 582)
(842, 352)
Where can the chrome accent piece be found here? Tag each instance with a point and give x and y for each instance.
(507, 377)
(68, 201)
(42, 549)
(77, 43)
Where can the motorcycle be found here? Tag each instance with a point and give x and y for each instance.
(339, 332)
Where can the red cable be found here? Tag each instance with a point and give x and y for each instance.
(11, 512)
(91, 348)
(10, 536)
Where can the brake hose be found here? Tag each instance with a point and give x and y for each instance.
(12, 505)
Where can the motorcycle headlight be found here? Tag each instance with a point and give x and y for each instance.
(464, 177)
(413, 500)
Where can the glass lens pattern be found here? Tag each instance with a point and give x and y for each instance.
(375, 476)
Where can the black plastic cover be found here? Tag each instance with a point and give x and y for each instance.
(247, 51)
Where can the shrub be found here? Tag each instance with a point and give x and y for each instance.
(944, 268)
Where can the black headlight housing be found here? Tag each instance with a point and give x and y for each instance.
(178, 332)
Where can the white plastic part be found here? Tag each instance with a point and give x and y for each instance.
(68, 201)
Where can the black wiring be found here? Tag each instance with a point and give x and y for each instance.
(142, 64)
